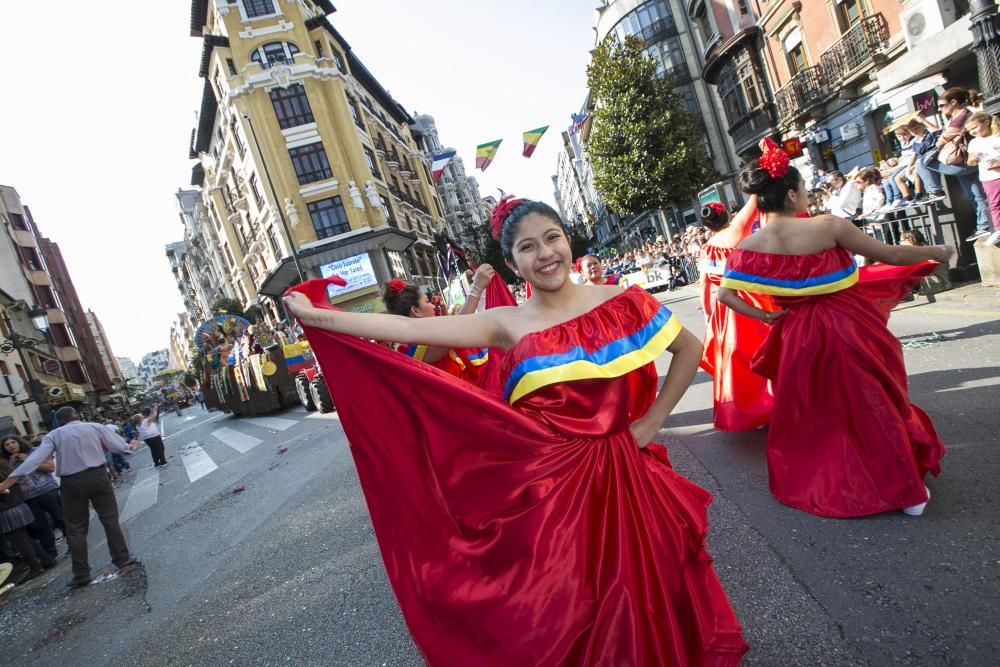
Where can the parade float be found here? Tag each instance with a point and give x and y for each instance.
(244, 374)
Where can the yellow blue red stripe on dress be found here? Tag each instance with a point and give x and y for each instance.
(414, 351)
(457, 359)
(827, 283)
(613, 279)
(479, 357)
(615, 359)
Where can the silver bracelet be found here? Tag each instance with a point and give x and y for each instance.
(475, 292)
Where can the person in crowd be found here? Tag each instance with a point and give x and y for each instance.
(845, 198)
(117, 464)
(742, 399)
(899, 180)
(199, 396)
(869, 182)
(41, 493)
(828, 453)
(984, 153)
(553, 492)
(952, 156)
(819, 177)
(912, 237)
(149, 432)
(83, 482)
(926, 183)
(15, 517)
(593, 272)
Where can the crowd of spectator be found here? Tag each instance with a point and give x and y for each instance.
(966, 145)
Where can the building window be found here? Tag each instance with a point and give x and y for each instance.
(45, 297)
(274, 53)
(744, 70)
(797, 58)
(646, 21)
(234, 126)
(17, 221)
(272, 239)
(328, 217)
(232, 66)
(255, 189)
(310, 163)
(291, 106)
(355, 113)
(387, 211)
(340, 61)
(255, 8)
(851, 13)
(372, 165)
(319, 49)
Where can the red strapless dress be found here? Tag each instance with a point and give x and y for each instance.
(743, 399)
(530, 529)
(844, 439)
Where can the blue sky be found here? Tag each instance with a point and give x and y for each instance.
(100, 100)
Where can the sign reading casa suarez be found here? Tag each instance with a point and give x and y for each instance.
(357, 271)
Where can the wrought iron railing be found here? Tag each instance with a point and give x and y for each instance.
(856, 49)
(805, 89)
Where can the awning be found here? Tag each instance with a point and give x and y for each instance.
(911, 89)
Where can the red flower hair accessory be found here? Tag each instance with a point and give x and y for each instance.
(717, 208)
(396, 285)
(500, 212)
(774, 159)
(578, 265)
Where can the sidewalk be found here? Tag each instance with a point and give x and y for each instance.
(975, 295)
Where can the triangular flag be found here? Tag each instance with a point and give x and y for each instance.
(485, 153)
(531, 138)
(439, 162)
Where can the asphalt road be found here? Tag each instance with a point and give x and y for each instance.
(287, 572)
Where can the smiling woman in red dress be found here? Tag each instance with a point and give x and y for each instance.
(540, 527)
(844, 439)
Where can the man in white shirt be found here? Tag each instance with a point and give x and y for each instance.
(845, 200)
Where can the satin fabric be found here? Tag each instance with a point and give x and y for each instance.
(538, 533)
(742, 399)
(844, 439)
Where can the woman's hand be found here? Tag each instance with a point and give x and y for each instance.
(643, 431)
(298, 305)
(771, 316)
(484, 274)
(943, 253)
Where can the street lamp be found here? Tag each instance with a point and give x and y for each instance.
(15, 341)
(277, 201)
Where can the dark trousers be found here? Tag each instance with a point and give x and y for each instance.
(79, 491)
(155, 445)
(43, 506)
(29, 550)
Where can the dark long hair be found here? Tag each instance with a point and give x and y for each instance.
(770, 191)
(714, 218)
(400, 303)
(23, 446)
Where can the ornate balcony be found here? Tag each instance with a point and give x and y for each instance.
(858, 48)
(804, 90)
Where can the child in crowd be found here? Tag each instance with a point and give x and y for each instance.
(984, 152)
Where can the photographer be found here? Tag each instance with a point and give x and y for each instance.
(845, 198)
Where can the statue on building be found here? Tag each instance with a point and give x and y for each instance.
(291, 212)
(373, 197)
(355, 195)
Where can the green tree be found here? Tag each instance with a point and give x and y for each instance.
(226, 306)
(645, 147)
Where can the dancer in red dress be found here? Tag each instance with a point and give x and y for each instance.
(593, 272)
(410, 301)
(540, 528)
(844, 439)
(743, 399)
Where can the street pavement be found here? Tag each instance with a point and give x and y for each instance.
(257, 549)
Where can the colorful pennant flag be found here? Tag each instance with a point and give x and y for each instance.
(578, 120)
(439, 162)
(531, 139)
(485, 153)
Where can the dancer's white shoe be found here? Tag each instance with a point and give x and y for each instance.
(917, 510)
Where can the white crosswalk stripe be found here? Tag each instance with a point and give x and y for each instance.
(273, 423)
(197, 462)
(143, 494)
(241, 442)
(320, 415)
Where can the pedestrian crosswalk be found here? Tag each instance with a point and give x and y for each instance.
(203, 457)
(241, 442)
(143, 493)
(197, 463)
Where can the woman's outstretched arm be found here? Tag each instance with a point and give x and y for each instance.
(479, 330)
(686, 350)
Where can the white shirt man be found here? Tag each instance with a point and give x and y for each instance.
(845, 200)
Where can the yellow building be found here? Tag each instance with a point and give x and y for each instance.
(304, 156)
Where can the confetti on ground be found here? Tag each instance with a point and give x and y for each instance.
(926, 341)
